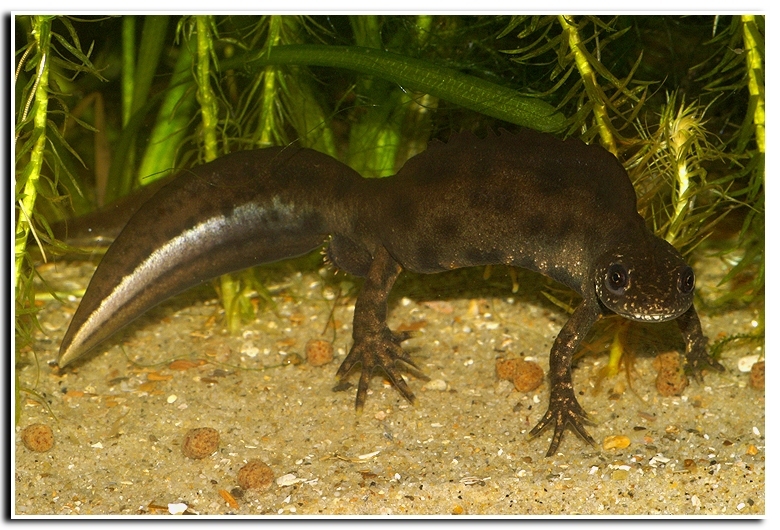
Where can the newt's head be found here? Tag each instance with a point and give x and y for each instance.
(647, 281)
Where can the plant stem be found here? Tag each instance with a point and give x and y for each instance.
(41, 29)
(755, 72)
(206, 97)
(683, 134)
(267, 123)
(128, 90)
(591, 85)
(128, 66)
(208, 110)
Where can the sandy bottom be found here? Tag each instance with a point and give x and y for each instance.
(120, 416)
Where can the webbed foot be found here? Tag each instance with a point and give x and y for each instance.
(697, 360)
(696, 354)
(380, 350)
(564, 410)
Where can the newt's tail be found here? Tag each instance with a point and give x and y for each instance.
(240, 210)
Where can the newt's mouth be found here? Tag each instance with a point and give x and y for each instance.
(653, 317)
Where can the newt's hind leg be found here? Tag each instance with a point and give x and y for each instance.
(375, 346)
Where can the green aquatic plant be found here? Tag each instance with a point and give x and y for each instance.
(740, 70)
(599, 103)
(52, 57)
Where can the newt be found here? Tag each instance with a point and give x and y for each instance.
(562, 208)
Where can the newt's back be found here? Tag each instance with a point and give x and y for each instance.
(525, 199)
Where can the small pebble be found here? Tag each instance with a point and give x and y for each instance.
(436, 384)
(288, 480)
(293, 359)
(445, 308)
(616, 442)
(200, 443)
(671, 379)
(230, 499)
(319, 352)
(744, 364)
(255, 475)
(38, 437)
(757, 375)
(619, 474)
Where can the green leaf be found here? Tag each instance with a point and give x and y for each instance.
(417, 75)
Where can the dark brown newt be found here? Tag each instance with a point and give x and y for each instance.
(561, 208)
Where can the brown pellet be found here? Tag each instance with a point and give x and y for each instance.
(255, 475)
(671, 379)
(505, 368)
(200, 443)
(528, 376)
(525, 375)
(319, 352)
(38, 437)
(757, 375)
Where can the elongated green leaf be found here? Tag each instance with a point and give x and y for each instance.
(416, 75)
(152, 41)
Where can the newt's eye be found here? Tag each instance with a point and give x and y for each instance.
(617, 278)
(687, 281)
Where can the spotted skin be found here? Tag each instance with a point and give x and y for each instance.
(561, 208)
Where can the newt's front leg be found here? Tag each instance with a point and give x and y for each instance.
(564, 409)
(696, 353)
(375, 346)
